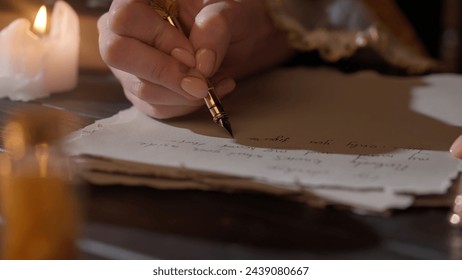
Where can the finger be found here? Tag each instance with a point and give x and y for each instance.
(224, 87)
(456, 148)
(159, 111)
(138, 20)
(145, 62)
(211, 35)
(152, 93)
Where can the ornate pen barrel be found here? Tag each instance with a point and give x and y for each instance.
(216, 109)
(214, 106)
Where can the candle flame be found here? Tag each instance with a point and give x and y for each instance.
(40, 23)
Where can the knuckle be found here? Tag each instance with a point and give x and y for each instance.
(160, 72)
(222, 19)
(152, 110)
(102, 22)
(216, 24)
(121, 17)
(140, 89)
(156, 35)
(112, 51)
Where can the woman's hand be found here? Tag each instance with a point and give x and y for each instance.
(163, 71)
(456, 148)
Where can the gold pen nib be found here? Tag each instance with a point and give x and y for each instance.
(216, 110)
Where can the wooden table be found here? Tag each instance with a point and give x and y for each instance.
(142, 223)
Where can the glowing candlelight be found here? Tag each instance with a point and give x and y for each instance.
(38, 204)
(34, 66)
(40, 22)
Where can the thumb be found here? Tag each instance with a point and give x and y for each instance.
(211, 35)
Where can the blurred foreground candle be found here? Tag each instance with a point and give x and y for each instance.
(38, 197)
(34, 64)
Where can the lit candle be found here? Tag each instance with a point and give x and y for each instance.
(35, 64)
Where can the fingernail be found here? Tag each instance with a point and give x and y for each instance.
(194, 86)
(456, 148)
(205, 60)
(184, 57)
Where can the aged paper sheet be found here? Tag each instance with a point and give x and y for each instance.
(363, 140)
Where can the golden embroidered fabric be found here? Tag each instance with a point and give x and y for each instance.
(339, 28)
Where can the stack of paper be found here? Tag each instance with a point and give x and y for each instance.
(363, 140)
